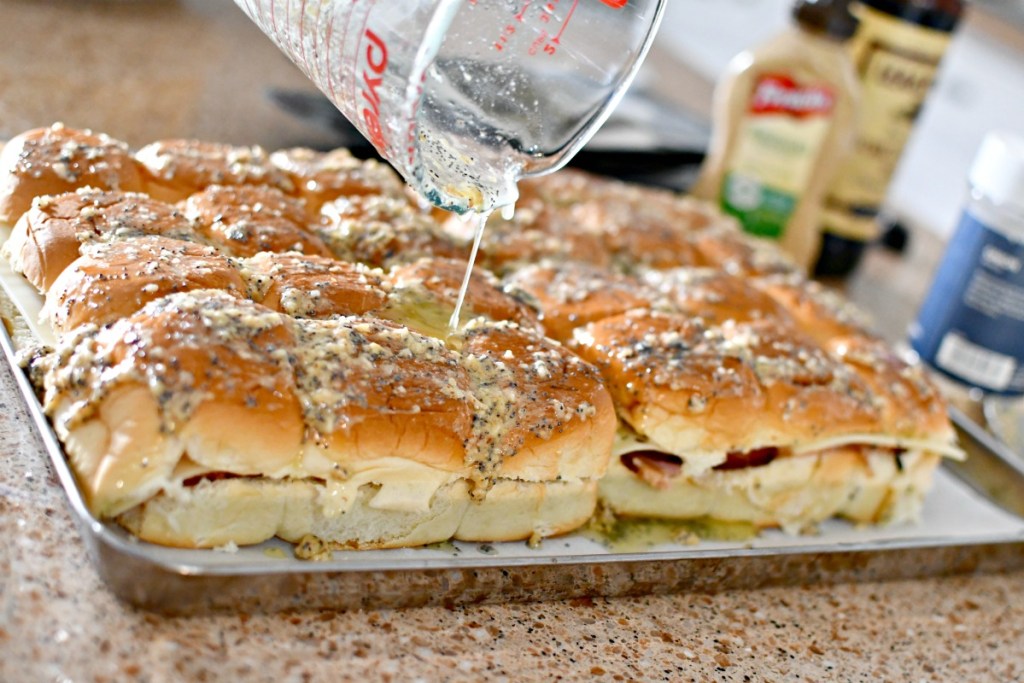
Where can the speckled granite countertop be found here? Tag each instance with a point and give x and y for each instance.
(59, 623)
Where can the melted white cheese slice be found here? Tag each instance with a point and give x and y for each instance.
(403, 486)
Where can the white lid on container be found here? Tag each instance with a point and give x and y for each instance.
(998, 168)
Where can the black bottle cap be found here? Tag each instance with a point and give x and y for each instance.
(941, 15)
(827, 17)
(839, 256)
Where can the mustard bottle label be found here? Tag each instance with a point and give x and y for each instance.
(896, 62)
(778, 143)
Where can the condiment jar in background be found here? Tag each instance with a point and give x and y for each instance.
(896, 52)
(971, 325)
(783, 118)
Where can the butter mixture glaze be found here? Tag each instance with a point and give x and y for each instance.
(530, 389)
(58, 159)
(382, 230)
(352, 370)
(435, 282)
(320, 177)
(247, 219)
(175, 169)
(187, 348)
(93, 288)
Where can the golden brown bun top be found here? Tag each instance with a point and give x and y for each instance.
(568, 186)
(235, 348)
(175, 169)
(726, 247)
(314, 286)
(573, 216)
(649, 228)
(188, 348)
(822, 313)
(638, 226)
(97, 214)
(244, 220)
(381, 231)
(48, 237)
(320, 177)
(571, 187)
(572, 294)
(374, 389)
(537, 232)
(910, 404)
(57, 159)
(744, 384)
(114, 280)
(434, 283)
(715, 296)
(530, 390)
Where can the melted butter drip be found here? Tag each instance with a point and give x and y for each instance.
(453, 323)
(418, 312)
(639, 535)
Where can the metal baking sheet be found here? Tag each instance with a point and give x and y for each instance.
(972, 520)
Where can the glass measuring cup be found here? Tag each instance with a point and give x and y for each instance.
(464, 97)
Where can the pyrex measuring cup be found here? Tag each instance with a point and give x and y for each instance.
(466, 96)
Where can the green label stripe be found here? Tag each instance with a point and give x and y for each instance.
(763, 211)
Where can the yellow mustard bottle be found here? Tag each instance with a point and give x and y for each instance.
(784, 117)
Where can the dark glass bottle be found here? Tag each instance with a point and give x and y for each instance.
(896, 52)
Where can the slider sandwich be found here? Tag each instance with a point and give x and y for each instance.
(206, 419)
(755, 398)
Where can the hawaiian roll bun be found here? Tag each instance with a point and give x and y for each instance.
(911, 406)
(320, 177)
(48, 238)
(314, 286)
(53, 160)
(644, 227)
(567, 187)
(244, 220)
(541, 437)
(426, 291)
(536, 232)
(572, 294)
(726, 247)
(199, 381)
(114, 280)
(373, 390)
(638, 226)
(823, 314)
(381, 231)
(715, 296)
(401, 430)
(705, 392)
(174, 169)
(545, 412)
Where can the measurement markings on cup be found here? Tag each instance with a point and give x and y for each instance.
(545, 42)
